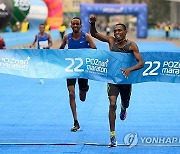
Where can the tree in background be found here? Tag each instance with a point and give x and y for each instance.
(159, 11)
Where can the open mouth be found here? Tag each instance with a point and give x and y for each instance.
(75, 28)
(118, 36)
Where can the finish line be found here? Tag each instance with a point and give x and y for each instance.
(88, 143)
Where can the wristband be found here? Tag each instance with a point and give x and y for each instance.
(92, 23)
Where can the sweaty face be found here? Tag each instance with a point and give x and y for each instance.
(76, 25)
(119, 32)
(41, 28)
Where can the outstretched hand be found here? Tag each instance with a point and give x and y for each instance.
(125, 72)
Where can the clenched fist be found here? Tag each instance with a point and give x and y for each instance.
(92, 19)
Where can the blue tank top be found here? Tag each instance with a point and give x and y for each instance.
(76, 44)
(42, 41)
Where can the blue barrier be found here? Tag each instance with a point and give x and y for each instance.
(161, 33)
(19, 38)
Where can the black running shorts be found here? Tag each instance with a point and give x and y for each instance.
(123, 89)
(83, 83)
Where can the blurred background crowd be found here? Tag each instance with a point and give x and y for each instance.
(24, 16)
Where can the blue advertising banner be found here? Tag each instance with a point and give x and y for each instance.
(94, 64)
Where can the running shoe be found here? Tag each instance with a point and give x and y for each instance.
(113, 142)
(123, 113)
(76, 127)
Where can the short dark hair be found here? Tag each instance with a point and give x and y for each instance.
(77, 18)
(41, 25)
(123, 25)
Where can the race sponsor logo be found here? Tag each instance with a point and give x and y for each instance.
(97, 66)
(113, 10)
(12, 63)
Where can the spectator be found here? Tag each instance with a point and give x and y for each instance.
(62, 30)
(44, 41)
(25, 25)
(47, 28)
(167, 28)
(8, 28)
(17, 27)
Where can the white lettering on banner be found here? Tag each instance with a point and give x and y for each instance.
(148, 70)
(96, 62)
(76, 68)
(171, 68)
(96, 65)
(172, 64)
(97, 69)
(14, 63)
(171, 71)
(113, 10)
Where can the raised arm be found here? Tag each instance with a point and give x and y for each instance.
(64, 42)
(94, 32)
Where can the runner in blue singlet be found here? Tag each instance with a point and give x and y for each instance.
(76, 40)
(43, 40)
